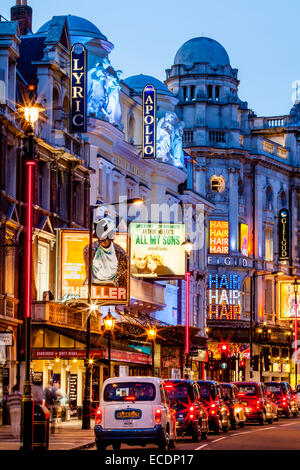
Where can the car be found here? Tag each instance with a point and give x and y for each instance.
(282, 394)
(218, 411)
(258, 406)
(134, 411)
(191, 415)
(236, 408)
(297, 394)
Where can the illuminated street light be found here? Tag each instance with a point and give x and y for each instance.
(151, 333)
(109, 324)
(188, 246)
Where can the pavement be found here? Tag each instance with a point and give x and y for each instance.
(67, 435)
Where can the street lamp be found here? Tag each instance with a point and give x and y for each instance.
(188, 246)
(152, 332)
(86, 405)
(295, 289)
(31, 114)
(252, 304)
(109, 324)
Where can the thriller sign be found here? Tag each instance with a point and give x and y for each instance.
(78, 89)
(149, 122)
(284, 235)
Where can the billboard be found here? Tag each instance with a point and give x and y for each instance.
(78, 89)
(287, 300)
(149, 122)
(110, 268)
(157, 251)
(284, 235)
(244, 239)
(219, 237)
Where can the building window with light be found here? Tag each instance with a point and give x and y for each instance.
(217, 184)
(42, 269)
(269, 255)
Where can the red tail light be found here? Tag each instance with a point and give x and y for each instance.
(98, 418)
(130, 398)
(284, 401)
(191, 412)
(213, 408)
(158, 415)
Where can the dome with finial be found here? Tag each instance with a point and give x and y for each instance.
(202, 50)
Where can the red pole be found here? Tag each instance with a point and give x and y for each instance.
(296, 337)
(187, 314)
(29, 220)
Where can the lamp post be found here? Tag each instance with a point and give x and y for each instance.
(188, 246)
(86, 405)
(152, 332)
(31, 115)
(109, 324)
(295, 288)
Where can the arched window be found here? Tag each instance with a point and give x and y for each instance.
(209, 92)
(283, 199)
(217, 184)
(185, 96)
(56, 109)
(131, 129)
(269, 197)
(193, 94)
(66, 116)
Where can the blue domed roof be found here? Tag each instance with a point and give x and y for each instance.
(202, 49)
(77, 27)
(138, 83)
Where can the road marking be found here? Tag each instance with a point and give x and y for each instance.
(290, 424)
(201, 447)
(220, 439)
(238, 433)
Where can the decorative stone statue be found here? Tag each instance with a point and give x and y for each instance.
(169, 140)
(103, 92)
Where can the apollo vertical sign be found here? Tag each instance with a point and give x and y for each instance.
(78, 88)
(149, 122)
(284, 235)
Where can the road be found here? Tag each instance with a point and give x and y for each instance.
(282, 435)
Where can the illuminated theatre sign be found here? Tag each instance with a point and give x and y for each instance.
(224, 297)
(284, 235)
(78, 89)
(219, 237)
(149, 122)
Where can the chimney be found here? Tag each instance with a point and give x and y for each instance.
(22, 13)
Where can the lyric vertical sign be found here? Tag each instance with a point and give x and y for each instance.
(149, 122)
(284, 235)
(78, 89)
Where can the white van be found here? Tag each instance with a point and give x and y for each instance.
(135, 411)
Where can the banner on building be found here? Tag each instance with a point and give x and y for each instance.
(78, 118)
(224, 297)
(149, 122)
(157, 251)
(244, 239)
(110, 269)
(219, 237)
(284, 235)
(287, 300)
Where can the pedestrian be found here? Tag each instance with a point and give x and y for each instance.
(50, 402)
(14, 401)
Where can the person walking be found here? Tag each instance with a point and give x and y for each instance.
(50, 402)
(14, 401)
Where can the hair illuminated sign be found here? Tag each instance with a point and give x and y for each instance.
(284, 235)
(78, 88)
(219, 237)
(224, 297)
(149, 122)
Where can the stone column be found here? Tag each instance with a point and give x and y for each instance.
(233, 209)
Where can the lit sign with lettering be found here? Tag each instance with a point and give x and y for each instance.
(224, 297)
(78, 88)
(284, 235)
(244, 239)
(219, 237)
(149, 122)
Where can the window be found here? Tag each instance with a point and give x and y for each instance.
(185, 97)
(9, 267)
(268, 244)
(193, 94)
(42, 270)
(209, 92)
(10, 171)
(217, 93)
(76, 201)
(131, 128)
(269, 296)
(130, 391)
(217, 184)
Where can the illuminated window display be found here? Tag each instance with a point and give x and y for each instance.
(219, 237)
(224, 297)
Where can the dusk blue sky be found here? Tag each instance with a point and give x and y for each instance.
(261, 37)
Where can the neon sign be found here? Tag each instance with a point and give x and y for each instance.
(284, 235)
(224, 297)
(149, 122)
(219, 237)
(244, 239)
(78, 88)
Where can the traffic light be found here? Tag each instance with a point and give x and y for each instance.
(224, 352)
(242, 364)
(233, 362)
